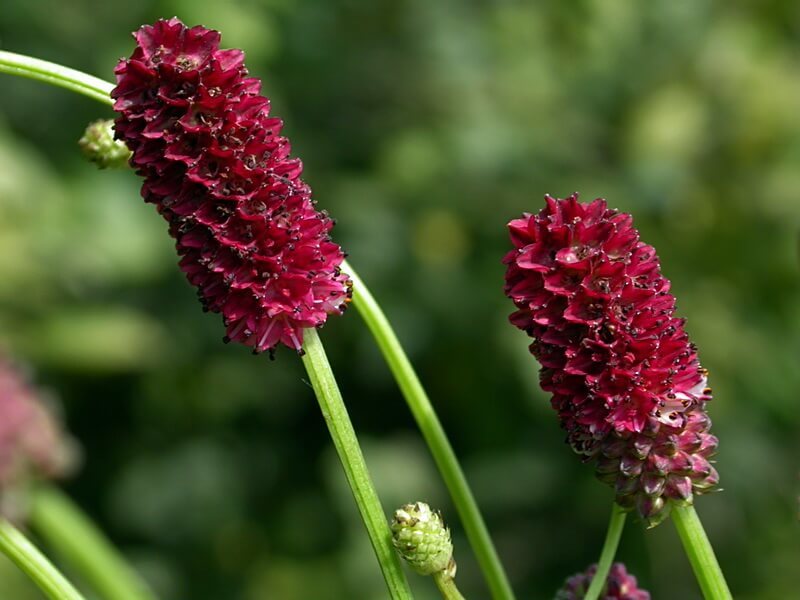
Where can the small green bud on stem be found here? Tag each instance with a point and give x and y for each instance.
(100, 147)
(423, 541)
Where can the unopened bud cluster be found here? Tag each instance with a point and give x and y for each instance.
(422, 539)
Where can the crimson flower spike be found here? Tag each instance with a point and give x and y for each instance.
(624, 378)
(220, 173)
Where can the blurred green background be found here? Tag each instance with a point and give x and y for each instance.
(424, 127)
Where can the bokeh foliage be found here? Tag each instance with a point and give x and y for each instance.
(424, 127)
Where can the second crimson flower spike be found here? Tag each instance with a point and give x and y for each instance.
(220, 173)
(624, 378)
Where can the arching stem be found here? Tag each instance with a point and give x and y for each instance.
(42, 70)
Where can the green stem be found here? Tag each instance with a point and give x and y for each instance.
(34, 564)
(399, 364)
(42, 70)
(615, 526)
(435, 436)
(346, 443)
(701, 554)
(447, 586)
(78, 541)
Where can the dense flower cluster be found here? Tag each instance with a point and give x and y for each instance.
(32, 444)
(624, 378)
(620, 585)
(220, 173)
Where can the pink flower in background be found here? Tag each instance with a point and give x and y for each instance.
(620, 585)
(624, 378)
(32, 443)
(218, 170)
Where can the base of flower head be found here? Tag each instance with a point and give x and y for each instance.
(660, 467)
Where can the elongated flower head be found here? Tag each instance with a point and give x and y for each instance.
(422, 539)
(32, 443)
(620, 585)
(624, 378)
(218, 170)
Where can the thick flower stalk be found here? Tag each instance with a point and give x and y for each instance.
(218, 170)
(33, 445)
(625, 380)
(620, 585)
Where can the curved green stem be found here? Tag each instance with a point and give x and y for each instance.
(78, 541)
(701, 554)
(42, 70)
(435, 436)
(615, 526)
(346, 443)
(447, 586)
(34, 564)
(399, 364)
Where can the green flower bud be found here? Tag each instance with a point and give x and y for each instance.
(422, 539)
(100, 147)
